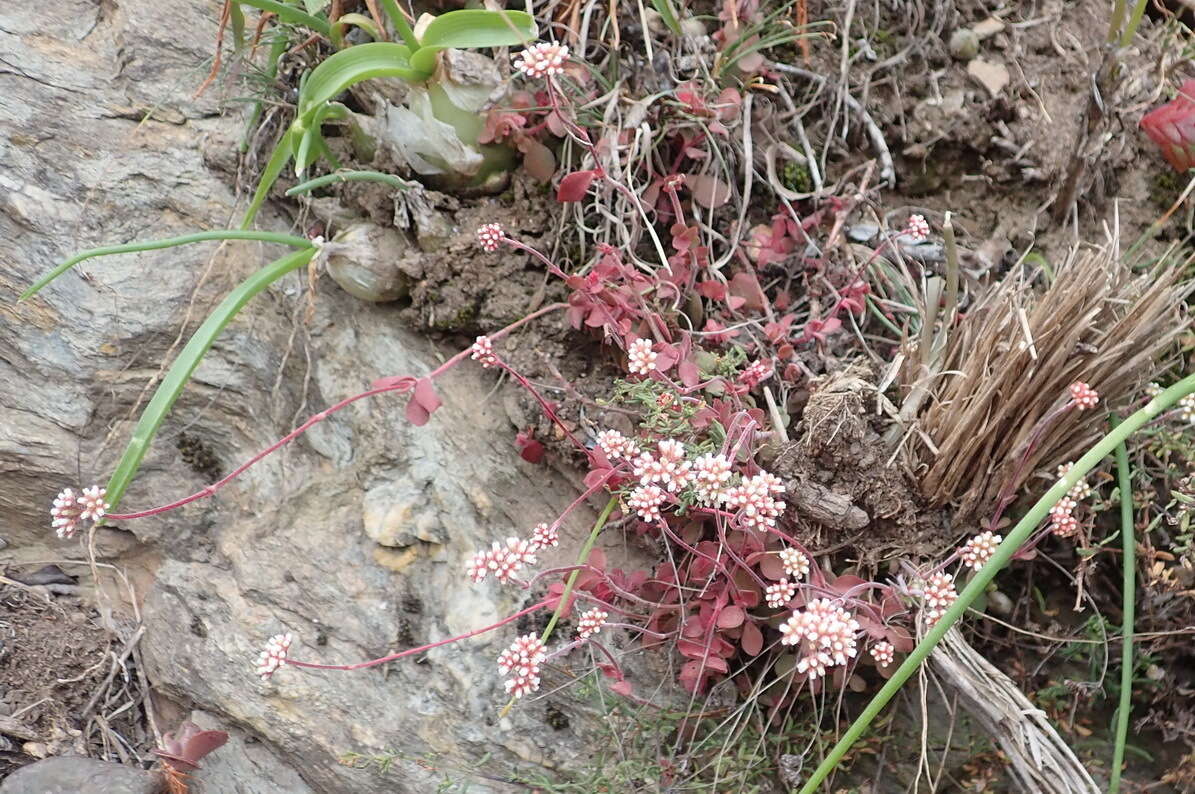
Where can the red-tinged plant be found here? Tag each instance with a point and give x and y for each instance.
(1172, 128)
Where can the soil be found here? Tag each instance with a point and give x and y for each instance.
(54, 658)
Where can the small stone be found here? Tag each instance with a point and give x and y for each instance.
(989, 27)
(74, 774)
(992, 76)
(964, 44)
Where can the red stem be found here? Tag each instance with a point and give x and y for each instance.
(421, 648)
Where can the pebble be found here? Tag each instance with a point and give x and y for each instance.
(75, 774)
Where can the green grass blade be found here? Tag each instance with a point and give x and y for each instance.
(277, 49)
(154, 245)
(1130, 604)
(183, 367)
(278, 160)
(292, 15)
(664, 7)
(984, 576)
(236, 17)
(351, 66)
(471, 28)
(348, 176)
(400, 23)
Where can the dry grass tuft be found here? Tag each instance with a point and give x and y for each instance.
(1009, 361)
(1039, 758)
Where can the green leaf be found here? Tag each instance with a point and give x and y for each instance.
(349, 176)
(469, 29)
(278, 160)
(351, 66)
(155, 245)
(668, 15)
(315, 6)
(291, 15)
(183, 367)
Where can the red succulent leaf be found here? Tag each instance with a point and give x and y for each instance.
(731, 617)
(621, 687)
(574, 186)
(538, 160)
(530, 450)
(771, 567)
(1172, 128)
(752, 639)
(708, 191)
(745, 287)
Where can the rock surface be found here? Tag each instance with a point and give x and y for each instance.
(353, 538)
(72, 775)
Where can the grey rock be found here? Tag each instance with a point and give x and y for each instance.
(73, 774)
(297, 543)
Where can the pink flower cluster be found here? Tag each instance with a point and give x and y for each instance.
(544, 535)
(68, 509)
(780, 593)
(1080, 490)
(1062, 519)
(483, 351)
(979, 549)
(756, 373)
(916, 228)
(827, 632)
(1083, 396)
(274, 655)
(754, 499)
(646, 500)
(938, 595)
(669, 468)
(711, 473)
(884, 653)
(641, 359)
(502, 559)
(591, 623)
(544, 59)
(521, 662)
(795, 563)
(490, 237)
(616, 445)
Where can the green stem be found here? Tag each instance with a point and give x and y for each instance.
(1126, 38)
(1130, 600)
(348, 176)
(984, 576)
(582, 558)
(154, 245)
(399, 20)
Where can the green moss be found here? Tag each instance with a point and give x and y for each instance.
(1165, 187)
(796, 177)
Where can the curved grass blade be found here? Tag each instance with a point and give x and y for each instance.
(183, 367)
(361, 21)
(470, 28)
(278, 160)
(351, 66)
(154, 245)
(292, 15)
(348, 176)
